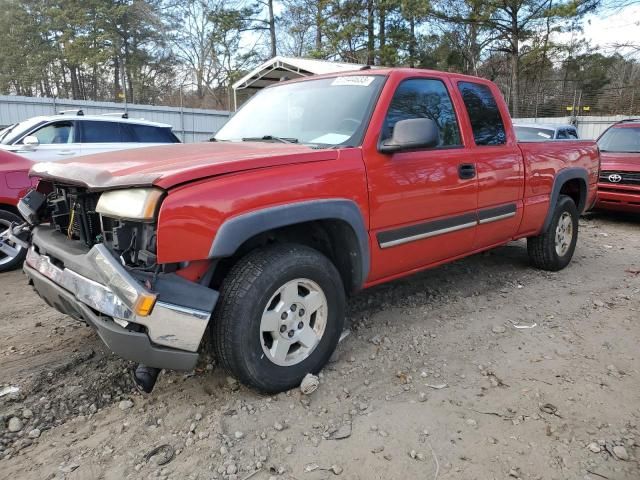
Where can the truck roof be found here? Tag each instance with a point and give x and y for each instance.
(386, 71)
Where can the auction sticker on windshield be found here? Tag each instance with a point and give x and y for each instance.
(357, 80)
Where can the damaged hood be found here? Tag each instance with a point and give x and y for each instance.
(170, 165)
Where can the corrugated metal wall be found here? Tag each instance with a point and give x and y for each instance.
(589, 128)
(190, 124)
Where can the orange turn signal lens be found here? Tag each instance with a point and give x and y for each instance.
(145, 304)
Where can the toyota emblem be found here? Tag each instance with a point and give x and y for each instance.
(615, 178)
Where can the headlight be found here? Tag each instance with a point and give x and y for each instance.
(132, 204)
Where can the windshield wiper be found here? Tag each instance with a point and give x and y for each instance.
(270, 137)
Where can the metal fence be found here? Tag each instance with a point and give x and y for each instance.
(566, 99)
(190, 124)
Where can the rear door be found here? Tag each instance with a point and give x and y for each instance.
(498, 160)
(422, 202)
(99, 136)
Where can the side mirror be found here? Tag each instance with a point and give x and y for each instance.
(410, 134)
(31, 142)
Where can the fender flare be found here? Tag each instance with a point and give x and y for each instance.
(563, 176)
(237, 230)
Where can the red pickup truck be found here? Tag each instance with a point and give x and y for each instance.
(315, 189)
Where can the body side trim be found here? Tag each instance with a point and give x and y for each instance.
(390, 238)
(494, 214)
(412, 233)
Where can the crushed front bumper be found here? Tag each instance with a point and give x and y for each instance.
(169, 337)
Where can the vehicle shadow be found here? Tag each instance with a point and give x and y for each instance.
(478, 274)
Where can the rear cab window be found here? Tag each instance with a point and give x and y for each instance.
(424, 98)
(484, 114)
(151, 134)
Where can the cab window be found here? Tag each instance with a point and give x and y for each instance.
(484, 114)
(424, 98)
(54, 133)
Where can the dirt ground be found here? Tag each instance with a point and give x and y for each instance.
(436, 380)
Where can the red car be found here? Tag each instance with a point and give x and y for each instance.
(619, 186)
(14, 184)
(315, 189)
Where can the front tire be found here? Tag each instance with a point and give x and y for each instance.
(280, 316)
(12, 255)
(553, 249)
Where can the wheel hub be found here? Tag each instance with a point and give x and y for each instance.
(8, 249)
(293, 322)
(564, 234)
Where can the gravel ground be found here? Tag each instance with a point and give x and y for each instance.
(480, 369)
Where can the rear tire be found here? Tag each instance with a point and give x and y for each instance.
(553, 249)
(280, 316)
(13, 256)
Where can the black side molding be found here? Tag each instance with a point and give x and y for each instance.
(497, 213)
(398, 236)
(412, 233)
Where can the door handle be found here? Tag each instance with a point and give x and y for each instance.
(65, 152)
(466, 171)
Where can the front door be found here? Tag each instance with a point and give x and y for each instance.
(57, 141)
(423, 202)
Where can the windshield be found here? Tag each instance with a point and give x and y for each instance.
(12, 133)
(533, 134)
(322, 112)
(621, 140)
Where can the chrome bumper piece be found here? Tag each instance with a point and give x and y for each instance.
(168, 325)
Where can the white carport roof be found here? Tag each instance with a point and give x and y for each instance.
(272, 71)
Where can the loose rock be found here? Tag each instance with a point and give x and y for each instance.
(621, 452)
(594, 447)
(125, 405)
(15, 424)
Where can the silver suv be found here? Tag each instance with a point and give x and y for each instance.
(71, 133)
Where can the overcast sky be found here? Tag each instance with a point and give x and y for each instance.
(613, 27)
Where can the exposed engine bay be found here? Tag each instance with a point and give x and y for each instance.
(72, 212)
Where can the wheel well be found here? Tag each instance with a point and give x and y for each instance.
(335, 239)
(577, 190)
(9, 208)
